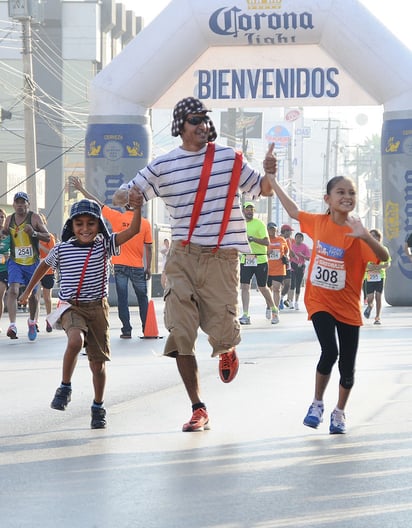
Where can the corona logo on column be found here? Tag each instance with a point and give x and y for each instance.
(236, 23)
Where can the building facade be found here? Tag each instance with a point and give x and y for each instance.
(68, 43)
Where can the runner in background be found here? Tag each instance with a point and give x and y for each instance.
(278, 255)
(47, 281)
(255, 262)
(286, 232)
(375, 280)
(301, 254)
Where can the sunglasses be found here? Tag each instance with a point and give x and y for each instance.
(196, 120)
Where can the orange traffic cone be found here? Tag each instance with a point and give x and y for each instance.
(150, 328)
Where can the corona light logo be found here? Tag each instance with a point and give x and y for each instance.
(264, 4)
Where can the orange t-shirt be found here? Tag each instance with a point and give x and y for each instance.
(336, 270)
(131, 253)
(278, 247)
(44, 248)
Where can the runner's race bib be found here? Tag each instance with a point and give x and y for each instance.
(24, 252)
(373, 276)
(250, 260)
(328, 273)
(274, 254)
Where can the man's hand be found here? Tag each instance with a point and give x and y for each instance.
(135, 198)
(120, 197)
(76, 182)
(270, 162)
(29, 229)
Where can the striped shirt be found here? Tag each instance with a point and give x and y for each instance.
(174, 177)
(69, 258)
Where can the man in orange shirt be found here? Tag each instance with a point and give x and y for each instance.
(278, 257)
(133, 264)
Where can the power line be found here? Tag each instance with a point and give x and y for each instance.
(42, 168)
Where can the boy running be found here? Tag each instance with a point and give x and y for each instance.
(82, 259)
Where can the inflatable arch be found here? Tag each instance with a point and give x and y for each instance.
(247, 53)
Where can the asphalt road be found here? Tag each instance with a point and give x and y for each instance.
(258, 467)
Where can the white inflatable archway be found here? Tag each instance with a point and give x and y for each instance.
(247, 53)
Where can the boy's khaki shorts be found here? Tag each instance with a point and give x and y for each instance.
(93, 318)
(202, 292)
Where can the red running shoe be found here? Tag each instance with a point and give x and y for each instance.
(228, 366)
(198, 422)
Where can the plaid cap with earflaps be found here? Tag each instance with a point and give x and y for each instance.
(186, 106)
(85, 206)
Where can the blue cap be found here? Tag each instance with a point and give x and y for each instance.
(22, 195)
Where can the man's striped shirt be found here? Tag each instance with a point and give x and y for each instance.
(175, 176)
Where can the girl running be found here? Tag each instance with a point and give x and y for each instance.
(342, 247)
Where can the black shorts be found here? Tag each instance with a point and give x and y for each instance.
(374, 286)
(275, 278)
(47, 282)
(260, 272)
(4, 277)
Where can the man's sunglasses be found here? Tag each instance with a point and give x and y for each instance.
(196, 120)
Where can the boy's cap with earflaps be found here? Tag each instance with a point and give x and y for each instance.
(85, 206)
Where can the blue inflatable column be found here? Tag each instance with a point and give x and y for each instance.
(116, 148)
(397, 203)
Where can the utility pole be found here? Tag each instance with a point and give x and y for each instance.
(29, 119)
(22, 10)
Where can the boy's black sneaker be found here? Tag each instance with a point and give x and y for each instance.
(98, 418)
(61, 399)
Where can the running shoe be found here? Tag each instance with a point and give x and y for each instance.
(337, 422)
(314, 416)
(228, 366)
(296, 305)
(198, 422)
(275, 318)
(125, 335)
(98, 418)
(377, 322)
(32, 333)
(12, 332)
(367, 312)
(268, 313)
(281, 304)
(286, 303)
(49, 327)
(244, 320)
(61, 398)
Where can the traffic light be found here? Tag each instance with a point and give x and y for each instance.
(4, 114)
